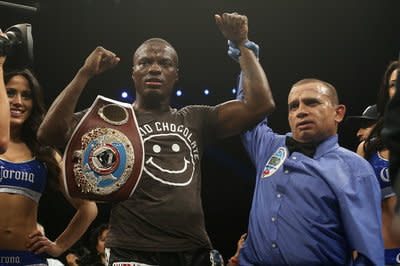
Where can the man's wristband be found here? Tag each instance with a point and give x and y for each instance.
(233, 260)
(234, 51)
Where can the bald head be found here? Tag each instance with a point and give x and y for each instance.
(326, 88)
(151, 41)
(314, 110)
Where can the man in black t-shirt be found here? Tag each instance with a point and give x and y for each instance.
(163, 222)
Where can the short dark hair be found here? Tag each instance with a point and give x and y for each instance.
(157, 40)
(332, 90)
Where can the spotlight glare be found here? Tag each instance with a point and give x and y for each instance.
(124, 94)
(179, 93)
(234, 91)
(206, 92)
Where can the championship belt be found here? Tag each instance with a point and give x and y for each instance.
(104, 158)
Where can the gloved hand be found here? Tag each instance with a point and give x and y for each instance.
(234, 52)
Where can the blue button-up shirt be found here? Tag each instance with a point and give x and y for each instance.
(311, 211)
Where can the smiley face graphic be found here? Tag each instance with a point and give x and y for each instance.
(169, 159)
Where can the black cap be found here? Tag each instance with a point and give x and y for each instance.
(369, 116)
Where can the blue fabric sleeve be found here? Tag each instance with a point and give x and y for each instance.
(256, 141)
(360, 207)
(362, 260)
(239, 94)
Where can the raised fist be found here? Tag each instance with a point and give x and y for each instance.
(233, 26)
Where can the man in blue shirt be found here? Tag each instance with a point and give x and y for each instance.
(314, 201)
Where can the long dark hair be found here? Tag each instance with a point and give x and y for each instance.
(383, 94)
(44, 154)
(92, 257)
(95, 235)
(374, 142)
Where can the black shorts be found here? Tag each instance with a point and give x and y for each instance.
(198, 257)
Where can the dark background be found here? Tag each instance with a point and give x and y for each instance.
(346, 43)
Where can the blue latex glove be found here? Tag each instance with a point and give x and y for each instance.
(234, 52)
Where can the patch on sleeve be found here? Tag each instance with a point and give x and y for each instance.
(274, 162)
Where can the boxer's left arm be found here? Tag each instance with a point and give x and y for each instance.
(86, 212)
(237, 115)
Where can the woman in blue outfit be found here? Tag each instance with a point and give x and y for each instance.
(25, 169)
(374, 150)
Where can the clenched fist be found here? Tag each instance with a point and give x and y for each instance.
(233, 26)
(99, 61)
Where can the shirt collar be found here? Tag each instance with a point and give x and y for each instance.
(327, 145)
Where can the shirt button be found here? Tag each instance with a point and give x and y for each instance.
(286, 171)
(273, 245)
(294, 158)
(278, 196)
(273, 219)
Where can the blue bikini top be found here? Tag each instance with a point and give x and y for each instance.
(25, 178)
(381, 167)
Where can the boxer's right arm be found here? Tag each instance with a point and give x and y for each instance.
(58, 124)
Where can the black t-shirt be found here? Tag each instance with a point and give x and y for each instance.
(165, 212)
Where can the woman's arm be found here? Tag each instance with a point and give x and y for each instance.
(361, 150)
(4, 109)
(86, 212)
